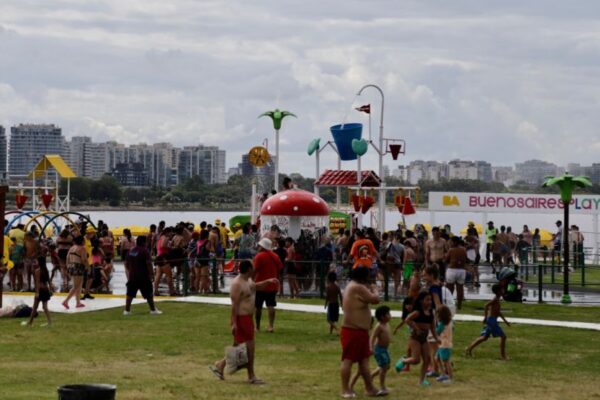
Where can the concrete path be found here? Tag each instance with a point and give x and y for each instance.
(103, 302)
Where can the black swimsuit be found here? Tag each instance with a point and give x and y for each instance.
(420, 335)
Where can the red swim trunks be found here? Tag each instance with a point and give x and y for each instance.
(245, 329)
(355, 344)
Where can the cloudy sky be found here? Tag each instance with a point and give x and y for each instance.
(503, 81)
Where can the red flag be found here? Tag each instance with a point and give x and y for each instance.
(366, 109)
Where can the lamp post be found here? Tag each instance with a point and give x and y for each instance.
(566, 184)
(277, 116)
(381, 151)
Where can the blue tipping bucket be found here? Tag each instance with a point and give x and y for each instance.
(343, 135)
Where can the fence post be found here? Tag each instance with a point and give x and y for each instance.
(527, 272)
(386, 283)
(552, 271)
(186, 276)
(215, 275)
(322, 278)
(583, 274)
(540, 283)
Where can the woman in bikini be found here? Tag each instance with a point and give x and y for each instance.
(162, 262)
(77, 263)
(421, 322)
(63, 244)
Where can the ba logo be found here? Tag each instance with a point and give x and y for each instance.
(449, 201)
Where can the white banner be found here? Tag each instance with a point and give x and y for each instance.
(511, 203)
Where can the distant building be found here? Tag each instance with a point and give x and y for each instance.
(484, 171)
(593, 173)
(426, 170)
(247, 169)
(131, 174)
(207, 162)
(401, 173)
(3, 155)
(233, 171)
(533, 171)
(504, 175)
(458, 169)
(29, 143)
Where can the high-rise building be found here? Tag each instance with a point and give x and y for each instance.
(29, 143)
(533, 172)
(3, 155)
(484, 171)
(76, 154)
(207, 162)
(247, 169)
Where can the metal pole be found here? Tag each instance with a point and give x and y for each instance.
(381, 152)
(276, 187)
(565, 244)
(596, 239)
(316, 188)
(540, 283)
(253, 203)
(338, 190)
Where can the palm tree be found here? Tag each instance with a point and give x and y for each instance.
(277, 116)
(566, 184)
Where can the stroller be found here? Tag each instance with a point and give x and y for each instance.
(513, 287)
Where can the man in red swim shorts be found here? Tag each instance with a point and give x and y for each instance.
(355, 330)
(242, 294)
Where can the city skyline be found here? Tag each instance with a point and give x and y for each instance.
(504, 81)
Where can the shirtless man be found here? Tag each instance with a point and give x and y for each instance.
(242, 294)
(456, 273)
(355, 330)
(435, 250)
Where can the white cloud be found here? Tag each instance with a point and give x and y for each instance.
(505, 80)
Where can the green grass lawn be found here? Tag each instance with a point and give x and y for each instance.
(166, 357)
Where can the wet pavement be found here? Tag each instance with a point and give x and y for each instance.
(484, 292)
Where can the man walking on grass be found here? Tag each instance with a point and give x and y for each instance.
(139, 272)
(267, 265)
(242, 293)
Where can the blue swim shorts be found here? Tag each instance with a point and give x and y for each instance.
(382, 356)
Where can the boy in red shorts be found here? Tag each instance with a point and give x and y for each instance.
(242, 294)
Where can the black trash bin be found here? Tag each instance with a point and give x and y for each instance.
(92, 391)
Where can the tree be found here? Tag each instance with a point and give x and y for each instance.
(566, 184)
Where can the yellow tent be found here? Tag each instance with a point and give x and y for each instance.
(55, 161)
(545, 236)
(479, 228)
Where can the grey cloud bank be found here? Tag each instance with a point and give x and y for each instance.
(503, 81)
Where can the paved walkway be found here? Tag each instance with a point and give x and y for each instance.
(103, 302)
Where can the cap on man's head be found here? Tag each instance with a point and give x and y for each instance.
(237, 225)
(471, 223)
(217, 221)
(265, 243)
(490, 223)
(90, 229)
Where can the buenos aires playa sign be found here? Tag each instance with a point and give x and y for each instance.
(511, 203)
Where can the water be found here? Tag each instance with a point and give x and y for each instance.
(457, 220)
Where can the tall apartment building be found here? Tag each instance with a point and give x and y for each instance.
(207, 162)
(3, 155)
(534, 171)
(484, 171)
(29, 143)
